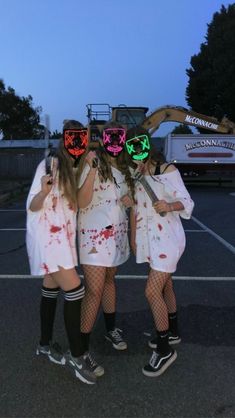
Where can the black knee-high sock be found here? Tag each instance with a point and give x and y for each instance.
(72, 319)
(162, 342)
(110, 320)
(173, 323)
(47, 313)
(85, 338)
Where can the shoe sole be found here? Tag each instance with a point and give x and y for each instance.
(163, 369)
(99, 372)
(61, 362)
(76, 373)
(173, 342)
(117, 347)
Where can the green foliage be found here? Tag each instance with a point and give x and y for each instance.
(18, 118)
(182, 129)
(211, 86)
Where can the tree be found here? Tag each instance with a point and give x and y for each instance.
(211, 86)
(182, 129)
(18, 118)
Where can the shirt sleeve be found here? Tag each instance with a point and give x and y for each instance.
(176, 190)
(36, 184)
(83, 175)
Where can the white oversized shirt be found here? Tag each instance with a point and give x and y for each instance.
(160, 241)
(51, 231)
(103, 224)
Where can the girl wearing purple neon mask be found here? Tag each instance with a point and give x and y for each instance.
(104, 193)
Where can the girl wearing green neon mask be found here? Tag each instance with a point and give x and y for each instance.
(158, 240)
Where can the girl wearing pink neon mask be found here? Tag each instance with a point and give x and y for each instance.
(103, 196)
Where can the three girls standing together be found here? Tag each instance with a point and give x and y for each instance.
(100, 185)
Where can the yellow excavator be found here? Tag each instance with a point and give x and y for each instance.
(191, 153)
(129, 116)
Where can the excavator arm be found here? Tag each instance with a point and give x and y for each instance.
(188, 117)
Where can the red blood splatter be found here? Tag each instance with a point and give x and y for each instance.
(107, 233)
(46, 268)
(55, 228)
(162, 256)
(159, 227)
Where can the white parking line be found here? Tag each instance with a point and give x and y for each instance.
(126, 276)
(12, 210)
(12, 229)
(230, 247)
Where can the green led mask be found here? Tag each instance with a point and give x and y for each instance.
(138, 147)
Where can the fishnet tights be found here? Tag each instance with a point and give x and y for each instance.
(161, 298)
(109, 292)
(100, 286)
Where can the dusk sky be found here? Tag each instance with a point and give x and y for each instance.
(67, 53)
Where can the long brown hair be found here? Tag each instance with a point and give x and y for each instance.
(68, 170)
(105, 167)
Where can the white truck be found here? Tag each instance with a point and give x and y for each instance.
(199, 154)
(191, 153)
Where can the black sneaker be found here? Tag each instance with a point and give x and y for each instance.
(80, 368)
(172, 339)
(93, 365)
(53, 352)
(159, 363)
(116, 339)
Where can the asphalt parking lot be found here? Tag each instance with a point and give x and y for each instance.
(201, 381)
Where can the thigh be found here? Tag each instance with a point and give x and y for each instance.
(94, 277)
(110, 273)
(66, 279)
(157, 279)
(49, 282)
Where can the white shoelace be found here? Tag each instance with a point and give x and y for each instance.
(116, 335)
(153, 359)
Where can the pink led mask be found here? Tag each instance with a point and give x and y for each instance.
(114, 140)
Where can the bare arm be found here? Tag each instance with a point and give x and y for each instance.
(163, 206)
(38, 200)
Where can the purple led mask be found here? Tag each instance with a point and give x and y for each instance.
(114, 140)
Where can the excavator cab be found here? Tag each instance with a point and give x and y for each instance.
(100, 113)
(129, 117)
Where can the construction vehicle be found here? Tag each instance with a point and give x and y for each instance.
(189, 152)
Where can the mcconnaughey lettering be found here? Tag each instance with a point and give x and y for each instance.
(200, 122)
(210, 143)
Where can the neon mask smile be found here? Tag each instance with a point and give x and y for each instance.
(114, 140)
(138, 147)
(75, 141)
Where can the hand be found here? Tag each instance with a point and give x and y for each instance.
(162, 206)
(90, 157)
(140, 167)
(127, 201)
(46, 184)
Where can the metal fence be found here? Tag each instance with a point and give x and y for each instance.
(19, 164)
